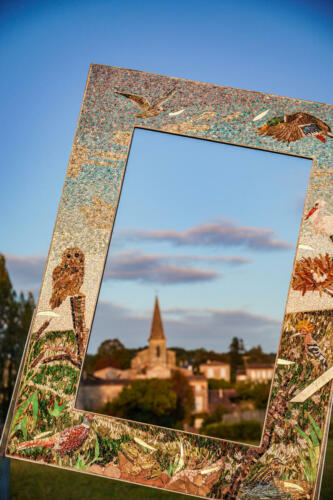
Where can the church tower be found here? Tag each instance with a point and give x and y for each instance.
(155, 361)
(157, 341)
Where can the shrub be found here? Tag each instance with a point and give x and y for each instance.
(155, 401)
(216, 416)
(247, 430)
(256, 392)
(214, 383)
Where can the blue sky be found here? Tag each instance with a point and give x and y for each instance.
(46, 48)
(209, 227)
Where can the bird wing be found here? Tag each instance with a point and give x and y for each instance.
(286, 132)
(310, 129)
(310, 124)
(163, 99)
(139, 100)
(57, 273)
(299, 118)
(61, 278)
(72, 438)
(322, 125)
(316, 352)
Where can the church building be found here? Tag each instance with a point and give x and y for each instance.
(155, 361)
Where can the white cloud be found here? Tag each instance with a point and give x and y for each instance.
(163, 268)
(219, 233)
(211, 329)
(26, 271)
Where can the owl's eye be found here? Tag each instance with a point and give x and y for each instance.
(76, 255)
(68, 256)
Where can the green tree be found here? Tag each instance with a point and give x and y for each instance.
(114, 349)
(185, 399)
(256, 355)
(215, 383)
(256, 393)
(105, 362)
(110, 347)
(247, 430)
(236, 351)
(156, 401)
(90, 362)
(215, 416)
(152, 401)
(15, 317)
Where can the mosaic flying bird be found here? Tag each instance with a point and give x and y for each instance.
(65, 442)
(148, 110)
(304, 329)
(322, 225)
(291, 128)
(67, 276)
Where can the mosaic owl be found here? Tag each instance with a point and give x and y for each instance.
(67, 276)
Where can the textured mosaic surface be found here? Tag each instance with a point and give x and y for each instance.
(46, 428)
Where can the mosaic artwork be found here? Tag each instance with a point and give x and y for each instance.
(45, 426)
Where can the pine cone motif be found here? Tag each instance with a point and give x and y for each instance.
(314, 275)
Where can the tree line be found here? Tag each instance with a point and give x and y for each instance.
(113, 353)
(16, 312)
(15, 317)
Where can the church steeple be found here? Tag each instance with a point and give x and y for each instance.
(156, 360)
(156, 330)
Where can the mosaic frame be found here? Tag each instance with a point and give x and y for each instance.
(45, 427)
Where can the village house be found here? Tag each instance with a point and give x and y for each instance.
(216, 369)
(223, 397)
(95, 393)
(261, 372)
(154, 362)
(199, 386)
(241, 376)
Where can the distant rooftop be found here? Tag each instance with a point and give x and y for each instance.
(260, 365)
(214, 363)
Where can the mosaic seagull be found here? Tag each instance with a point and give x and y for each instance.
(291, 128)
(148, 110)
